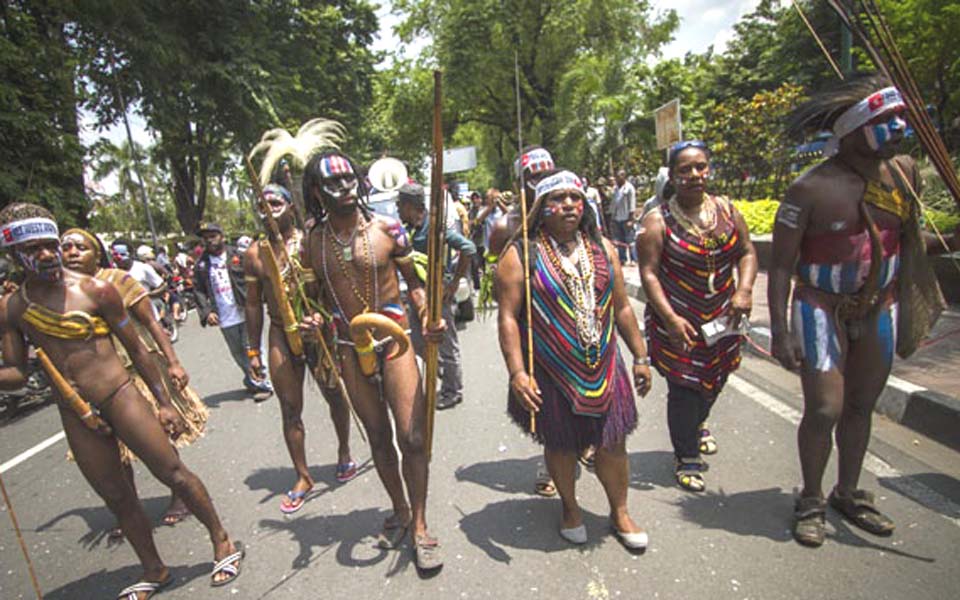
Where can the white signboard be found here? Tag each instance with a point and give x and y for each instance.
(459, 159)
(667, 119)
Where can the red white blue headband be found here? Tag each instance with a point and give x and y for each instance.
(535, 161)
(27, 230)
(335, 166)
(862, 113)
(564, 180)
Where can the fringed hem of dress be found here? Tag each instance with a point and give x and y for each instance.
(559, 428)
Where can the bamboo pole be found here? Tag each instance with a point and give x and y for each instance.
(525, 242)
(274, 230)
(435, 259)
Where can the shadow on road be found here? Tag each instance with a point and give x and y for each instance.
(933, 491)
(104, 584)
(354, 536)
(277, 480)
(651, 469)
(757, 513)
(525, 524)
(100, 520)
(215, 400)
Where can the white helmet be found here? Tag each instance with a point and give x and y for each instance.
(145, 252)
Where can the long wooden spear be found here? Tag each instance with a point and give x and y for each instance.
(23, 545)
(296, 343)
(435, 258)
(525, 244)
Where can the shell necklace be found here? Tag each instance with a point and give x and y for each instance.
(578, 279)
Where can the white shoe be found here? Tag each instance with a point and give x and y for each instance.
(575, 535)
(632, 541)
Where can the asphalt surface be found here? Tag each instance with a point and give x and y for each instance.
(499, 539)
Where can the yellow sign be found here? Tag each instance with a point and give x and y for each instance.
(667, 119)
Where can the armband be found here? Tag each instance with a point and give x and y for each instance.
(250, 278)
(123, 322)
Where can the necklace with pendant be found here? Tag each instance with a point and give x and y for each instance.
(703, 234)
(346, 247)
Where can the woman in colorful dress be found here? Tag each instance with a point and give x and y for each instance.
(83, 252)
(579, 393)
(689, 248)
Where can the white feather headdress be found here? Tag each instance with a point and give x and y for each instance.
(312, 137)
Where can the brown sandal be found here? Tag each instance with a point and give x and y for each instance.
(809, 519)
(859, 509)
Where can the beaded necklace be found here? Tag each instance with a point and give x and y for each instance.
(369, 267)
(578, 279)
(704, 234)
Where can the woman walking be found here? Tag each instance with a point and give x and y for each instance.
(580, 393)
(689, 248)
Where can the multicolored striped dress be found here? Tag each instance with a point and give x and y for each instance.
(586, 392)
(686, 265)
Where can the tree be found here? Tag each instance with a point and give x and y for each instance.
(476, 42)
(39, 147)
(211, 76)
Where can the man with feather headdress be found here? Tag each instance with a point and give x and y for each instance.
(845, 232)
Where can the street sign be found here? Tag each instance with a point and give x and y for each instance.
(459, 159)
(667, 119)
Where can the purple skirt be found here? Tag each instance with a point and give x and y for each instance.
(558, 428)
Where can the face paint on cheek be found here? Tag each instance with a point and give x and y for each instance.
(578, 208)
(549, 211)
(50, 271)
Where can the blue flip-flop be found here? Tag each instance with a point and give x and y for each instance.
(297, 500)
(347, 471)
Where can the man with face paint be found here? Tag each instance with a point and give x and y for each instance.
(70, 316)
(356, 256)
(287, 370)
(839, 235)
(534, 163)
(221, 291)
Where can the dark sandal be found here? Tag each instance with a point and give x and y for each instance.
(544, 485)
(689, 473)
(809, 518)
(588, 458)
(427, 553)
(391, 536)
(859, 509)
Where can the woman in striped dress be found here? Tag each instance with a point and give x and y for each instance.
(689, 248)
(580, 393)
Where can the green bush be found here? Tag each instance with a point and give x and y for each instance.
(759, 214)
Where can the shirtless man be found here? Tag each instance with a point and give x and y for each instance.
(839, 230)
(535, 162)
(356, 256)
(287, 370)
(70, 316)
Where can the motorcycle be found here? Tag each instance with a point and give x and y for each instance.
(165, 318)
(36, 390)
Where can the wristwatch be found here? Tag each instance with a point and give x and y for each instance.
(642, 361)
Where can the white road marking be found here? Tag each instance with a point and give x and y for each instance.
(907, 486)
(16, 460)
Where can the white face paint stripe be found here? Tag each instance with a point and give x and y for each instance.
(835, 272)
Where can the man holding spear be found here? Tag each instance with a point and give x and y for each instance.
(269, 272)
(356, 256)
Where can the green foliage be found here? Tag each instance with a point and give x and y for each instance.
(39, 148)
(944, 222)
(759, 214)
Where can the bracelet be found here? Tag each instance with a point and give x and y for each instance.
(643, 361)
(253, 353)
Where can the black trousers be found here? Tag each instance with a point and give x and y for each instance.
(686, 409)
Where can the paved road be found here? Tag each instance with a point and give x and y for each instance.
(499, 539)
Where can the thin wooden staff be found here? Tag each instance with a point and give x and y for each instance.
(435, 258)
(297, 283)
(525, 243)
(23, 545)
(889, 60)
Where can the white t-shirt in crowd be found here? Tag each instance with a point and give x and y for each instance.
(146, 275)
(229, 311)
(624, 202)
